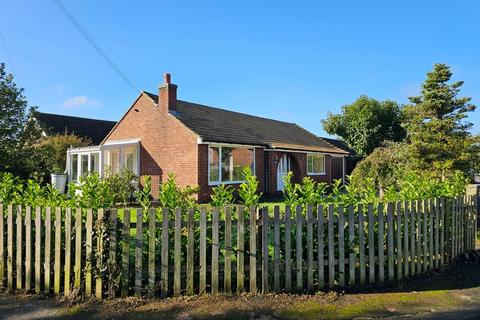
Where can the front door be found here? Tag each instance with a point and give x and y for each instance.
(282, 170)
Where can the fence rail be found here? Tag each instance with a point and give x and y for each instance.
(162, 253)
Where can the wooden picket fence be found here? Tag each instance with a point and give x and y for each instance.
(160, 253)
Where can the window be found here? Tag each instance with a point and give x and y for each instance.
(84, 165)
(226, 164)
(129, 159)
(315, 164)
(113, 160)
(95, 162)
(74, 167)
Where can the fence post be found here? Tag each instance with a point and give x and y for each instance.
(68, 250)
(112, 254)
(203, 250)
(406, 230)
(125, 253)
(28, 249)
(265, 249)
(253, 250)
(341, 245)
(400, 252)
(138, 253)
(190, 251)
(177, 257)
(78, 249)
(215, 250)
(38, 246)
(100, 244)
(381, 244)
(227, 277)
(164, 253)
(288, 249)
(48, 244)
(19, 247)
(321, 245)
(351, 243)
(390, 249)
(361, 241)
(10, 248)
(276, 249)
(331, 247)
(309, 249)
(241, 249)
(298, 251)
(58, 248)
(88, 252)
(152, 225)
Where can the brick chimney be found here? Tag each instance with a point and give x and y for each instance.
(167, 95)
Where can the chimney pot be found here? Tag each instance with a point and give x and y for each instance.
(167, 78)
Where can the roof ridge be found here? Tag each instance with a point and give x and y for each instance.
(241, 113)
(223, 109)
(64, 115)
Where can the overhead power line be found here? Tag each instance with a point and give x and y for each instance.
(94, 44)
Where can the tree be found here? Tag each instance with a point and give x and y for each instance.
(366, 124)
(437, 131)
(19, 133)
(13, 117)
(57, 145)
(384, 167)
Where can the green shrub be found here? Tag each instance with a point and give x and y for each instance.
(248, 191)
(144, 193)
(222, 196)
(172, 197)
(290, 190)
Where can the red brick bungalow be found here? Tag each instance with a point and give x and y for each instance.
(207, 146)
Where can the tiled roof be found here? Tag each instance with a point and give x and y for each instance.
(340, 144)
(93, 129)
(223, 126)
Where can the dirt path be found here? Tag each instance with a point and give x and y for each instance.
(451, 294)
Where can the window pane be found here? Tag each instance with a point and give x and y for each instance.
(315, 163)
(227, 164)
(95, 162)
(84, 164)
(129, 161)
(234, 160)
(113, 160)
(74, 166)
(213, 164)
(241, 158)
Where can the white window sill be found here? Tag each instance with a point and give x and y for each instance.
(317, 174)
(218, 183)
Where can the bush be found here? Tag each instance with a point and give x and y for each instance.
(222, 196)
(172, 197)
(248, 192)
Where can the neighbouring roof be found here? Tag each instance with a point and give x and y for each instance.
(220, 125)
(340, 144)
(95, 130)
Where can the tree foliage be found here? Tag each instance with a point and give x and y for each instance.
(366, 124)
(18, 132)
(56, 147)
(438, 145)
(438, 133)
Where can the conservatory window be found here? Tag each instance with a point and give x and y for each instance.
(74, 167)
(227, 163)
(315, 164)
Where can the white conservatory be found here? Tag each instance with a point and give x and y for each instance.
(111, 156)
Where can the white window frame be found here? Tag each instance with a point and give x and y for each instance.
(324, 164)
(122, 146)
(220, 182)
(79, 152)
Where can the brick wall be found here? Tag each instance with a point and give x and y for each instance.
(206, 190)
(166, 144)
(298, 165)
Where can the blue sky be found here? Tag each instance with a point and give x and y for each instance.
(292, 61)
